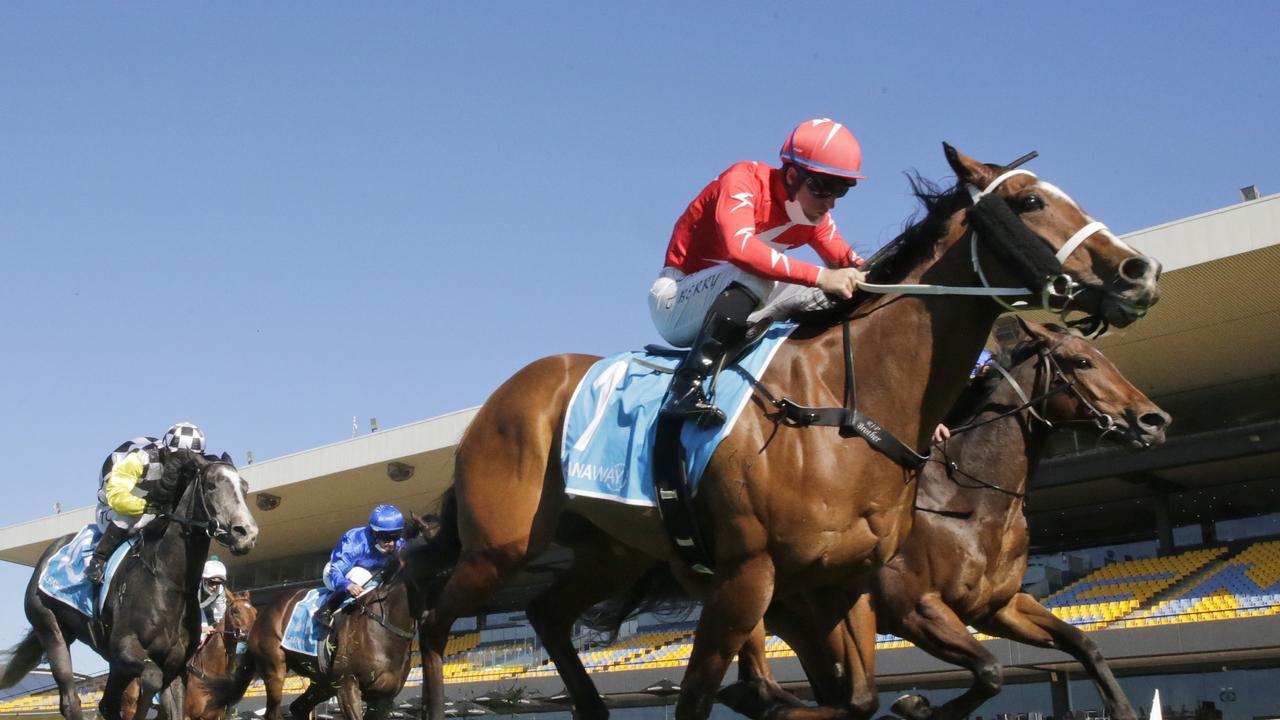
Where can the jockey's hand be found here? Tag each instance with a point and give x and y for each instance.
(355, 590)
(840, 282)
(940, 433)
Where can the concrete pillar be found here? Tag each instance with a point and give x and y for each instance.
(1060, 691)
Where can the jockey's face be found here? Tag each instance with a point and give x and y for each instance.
(213, 585)
(385, 542)
(817, 194)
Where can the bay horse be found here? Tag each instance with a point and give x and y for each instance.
(785, 509)
(216, 660)
(150, 622)
(373, 643)
(964, 560)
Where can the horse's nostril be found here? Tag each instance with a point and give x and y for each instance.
(240, 531)
(1137, 270)
(1154, 420)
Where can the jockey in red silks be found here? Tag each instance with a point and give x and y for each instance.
(725, 266)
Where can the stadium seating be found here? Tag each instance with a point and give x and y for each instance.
(1117, 589)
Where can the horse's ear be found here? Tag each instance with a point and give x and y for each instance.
(245, 596)
(1037, 331)
(225, 457)
(967, 169)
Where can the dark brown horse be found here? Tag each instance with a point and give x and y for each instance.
(964, 560)
(371, 660)
(215, 660)
(784, 509)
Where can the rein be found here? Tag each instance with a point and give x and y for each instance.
(1058, 290)
(381, 616)
(1102, 421)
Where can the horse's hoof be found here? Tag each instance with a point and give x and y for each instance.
(913, 707)
(756, 698)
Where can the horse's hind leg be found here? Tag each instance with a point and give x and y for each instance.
(600, 570)
(1027, 621)
(44, 623)
(509, 501)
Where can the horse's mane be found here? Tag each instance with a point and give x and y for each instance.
(180, 469)
(891, 263)
(977, 394)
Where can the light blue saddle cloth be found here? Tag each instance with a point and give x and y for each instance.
(63, 577)
(609, 429)
(303, 634)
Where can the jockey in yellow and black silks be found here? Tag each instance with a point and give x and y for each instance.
(124, 483)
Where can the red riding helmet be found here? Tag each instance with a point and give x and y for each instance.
(824, 146)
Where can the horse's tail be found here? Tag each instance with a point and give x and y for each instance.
(657, 592)
(430, 565)
(21, 659)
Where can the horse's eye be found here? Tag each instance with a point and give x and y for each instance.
(1081, 362)
(1031, 203)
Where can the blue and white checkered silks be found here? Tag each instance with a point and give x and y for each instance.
(609, 429)
(63, 577)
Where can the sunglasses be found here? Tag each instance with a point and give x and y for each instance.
(386, 537)
(213, 583)
(825, 186)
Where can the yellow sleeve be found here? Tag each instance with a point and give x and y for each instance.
(120, 483)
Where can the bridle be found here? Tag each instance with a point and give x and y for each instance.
(187, 519)
(1057, 290)
(1052, 380)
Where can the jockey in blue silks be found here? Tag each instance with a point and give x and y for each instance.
(361, 553)
(942, 432)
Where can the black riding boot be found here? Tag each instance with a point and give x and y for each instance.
(107, 544)
(725, 324)
(324, 616)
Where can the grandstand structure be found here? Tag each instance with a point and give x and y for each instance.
(1170, 558)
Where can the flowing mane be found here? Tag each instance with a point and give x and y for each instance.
(891, 263)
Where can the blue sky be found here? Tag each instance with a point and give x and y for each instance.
(269, 218)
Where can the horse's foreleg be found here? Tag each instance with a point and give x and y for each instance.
(1027, 621)
(934, 628)
(756, 693)
(150, 682)
(349, 699)
(316, 693)
(833, 634)
(600, 570)
(173, 700)
(730, 614)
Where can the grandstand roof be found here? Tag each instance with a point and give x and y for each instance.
(1213, 333)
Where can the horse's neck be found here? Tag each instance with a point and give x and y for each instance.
(1002, 451)
(180, 552)
(930, 340)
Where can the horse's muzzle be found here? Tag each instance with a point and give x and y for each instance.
(240, 539)
(1133, 293)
